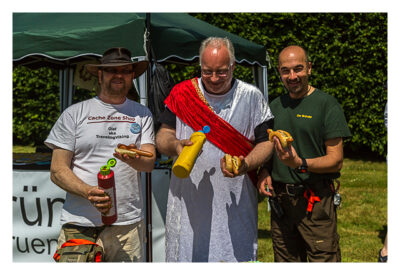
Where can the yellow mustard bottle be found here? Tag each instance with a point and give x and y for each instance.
(185, 162)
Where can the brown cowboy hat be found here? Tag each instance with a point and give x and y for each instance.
(115, 57)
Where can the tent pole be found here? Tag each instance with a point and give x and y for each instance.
(66, 76)
(149, 243)
(260, 75)
(265, 81)
(70, 90)
(143, 86)
(61, 88)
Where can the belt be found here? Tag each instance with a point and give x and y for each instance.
(292, 190)
(321, 188)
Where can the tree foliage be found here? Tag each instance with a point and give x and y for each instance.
(348, 52)
(36, 104)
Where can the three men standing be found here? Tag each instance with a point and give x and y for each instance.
(212, 214)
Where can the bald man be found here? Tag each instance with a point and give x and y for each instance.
(303, 174)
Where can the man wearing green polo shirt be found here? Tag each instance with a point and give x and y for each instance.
(302, 175)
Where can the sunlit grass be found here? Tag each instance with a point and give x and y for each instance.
(362, 219)
(24, 149)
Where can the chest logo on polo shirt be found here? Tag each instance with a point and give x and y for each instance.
(303, 116)
(135, 128)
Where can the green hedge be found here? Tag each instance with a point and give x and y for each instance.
(36, 104)
(348, 51)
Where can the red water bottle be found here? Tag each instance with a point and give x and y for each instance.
(105, 180)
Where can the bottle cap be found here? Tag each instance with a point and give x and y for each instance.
(111, 162)
(206, 129)
(105, 169)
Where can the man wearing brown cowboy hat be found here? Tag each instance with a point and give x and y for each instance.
(83, 139)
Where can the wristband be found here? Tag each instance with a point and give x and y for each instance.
(303, 168)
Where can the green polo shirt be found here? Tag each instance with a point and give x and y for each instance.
(311, 121)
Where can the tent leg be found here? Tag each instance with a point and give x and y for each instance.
(70, 86)
(62, 89)
(66, 87)
(149, 243)
(260, 75)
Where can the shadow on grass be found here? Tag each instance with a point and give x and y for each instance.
(362, 154)
(264, 234)
(381, 233)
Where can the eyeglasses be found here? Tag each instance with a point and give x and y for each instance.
(219, 73)
(117, 71)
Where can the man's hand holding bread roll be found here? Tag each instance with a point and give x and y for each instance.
(139, 159)
(232, 166)
(132, 151)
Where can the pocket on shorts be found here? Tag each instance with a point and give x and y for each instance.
(323, 211)
(327, 244)
(74, 254)
(323, 222)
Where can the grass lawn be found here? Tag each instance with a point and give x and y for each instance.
(23, 149)
(362, 218)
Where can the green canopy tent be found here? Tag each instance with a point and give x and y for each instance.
(62, 40)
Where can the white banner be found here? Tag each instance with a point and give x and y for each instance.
(37, 203)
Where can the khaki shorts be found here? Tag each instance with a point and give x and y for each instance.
(121, 243)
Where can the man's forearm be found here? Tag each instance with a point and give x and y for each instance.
(167, 142)
(330, 163)
(260, 154)
(62, 175)
(145, 164)
(325, 164)
(68, 181)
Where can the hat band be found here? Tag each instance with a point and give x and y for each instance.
(116, 61)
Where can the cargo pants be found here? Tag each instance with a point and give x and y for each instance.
(299, 236)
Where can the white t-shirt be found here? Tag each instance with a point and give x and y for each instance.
(212, 218)
(92, 129)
